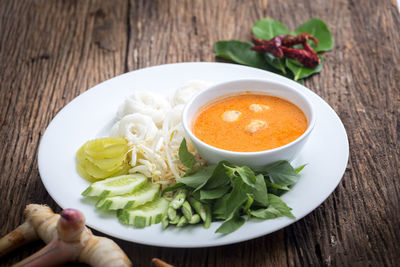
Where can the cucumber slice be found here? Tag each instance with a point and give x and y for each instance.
(131, 200)
(116, 186)
(145, 215)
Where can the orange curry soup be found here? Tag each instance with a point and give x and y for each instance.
(249, 123)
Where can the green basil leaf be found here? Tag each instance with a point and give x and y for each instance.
(247, 175)
(277, 208)
(249, 202)
(198, 178)
(185, 156)
(268, 28)
(281, 173)
(231, 225)
(319, 30)
(299, 71)
(277, 186)
(240, 52)
(260, 191)
(230, 171)
(219, 207)
(236, 197)
(269, 213)
(219, 176)
(214, 193)
(277, 203)
(299, 169)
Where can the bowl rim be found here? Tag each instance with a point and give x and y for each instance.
(192, 100)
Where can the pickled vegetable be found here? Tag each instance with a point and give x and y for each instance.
(102, 158)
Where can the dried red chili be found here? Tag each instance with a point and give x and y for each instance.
(280, 46)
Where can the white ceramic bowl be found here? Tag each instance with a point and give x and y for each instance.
(257, 159)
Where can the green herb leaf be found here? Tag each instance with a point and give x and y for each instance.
(214, 193)
(260, 191)
(269, 213)
(247, 175)
(319, 30)
(185, 156)
(299, 169)
(199, 177)
(231, 225)
(299, 71)
(236, 197)
(277, 208)
(277, 186)
(240, 52)
(268, 28)
(281, 173)
(220, 207)
(219, 177)
(277, 203)
(249, 202)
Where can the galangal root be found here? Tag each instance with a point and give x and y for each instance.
(67, 239)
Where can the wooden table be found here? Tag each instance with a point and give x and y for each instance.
(52, 51)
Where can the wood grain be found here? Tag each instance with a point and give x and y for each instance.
(52, 51)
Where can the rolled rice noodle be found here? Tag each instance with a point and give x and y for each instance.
(152, 126)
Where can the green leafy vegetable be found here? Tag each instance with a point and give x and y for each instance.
(266, 29)
(276, 208)
(281, 173)
(231, 225)
(198, 178)
(319, 30)
(299, 169)
(214, 193)
(185, 156)
(299, 71)
(228, 192)
(268, 213)
(260, 191)
(218, 178)
(241, 53)
(269, 28)
(219, 208)
(249, 202)
(277, 63)
(236, 197)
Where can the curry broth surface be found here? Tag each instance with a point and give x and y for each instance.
(284, 122)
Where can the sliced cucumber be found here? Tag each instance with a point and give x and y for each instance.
(131, 200)
(145, 215)
(116, 186)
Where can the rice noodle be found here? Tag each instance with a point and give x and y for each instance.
(146, 103)
(152, 126)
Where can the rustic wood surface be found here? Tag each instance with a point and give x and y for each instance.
(52, 51)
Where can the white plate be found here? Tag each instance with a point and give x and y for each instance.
(92, 114)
